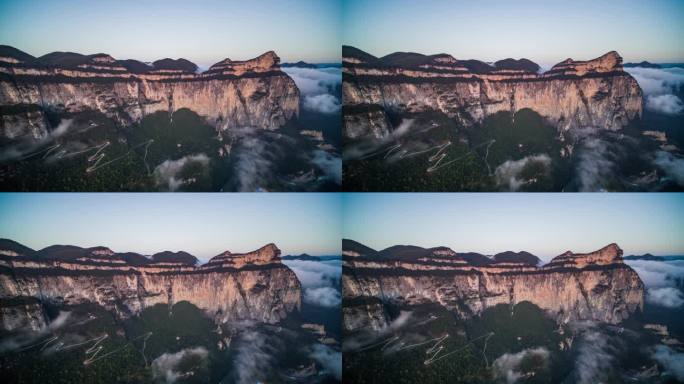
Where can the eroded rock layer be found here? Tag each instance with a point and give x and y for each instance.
(253, 93)
(595, 93)
(252, 286)
(593, 286)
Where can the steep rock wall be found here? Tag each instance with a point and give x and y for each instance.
(596, 93)
(264, 292)
(597, 286)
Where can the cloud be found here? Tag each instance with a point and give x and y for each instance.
(29, 146)
(507, 367)
(368, 147)
(666, 104)
(254, 357)
(314, 274)
(319, 88)
(316, 81)
(671, 165)
(659, 86)
(658, 274)
(658, 81)
(27, 337)
(323, 296)
(323, 103)
(330, 164)
(507, 175)
(596, 354)
(330, 360)
(666, 297)
(672, 361)
(166, 173)
(255, 156)
(166, 366)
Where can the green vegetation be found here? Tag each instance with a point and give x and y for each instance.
(471, 351)
(469, 161)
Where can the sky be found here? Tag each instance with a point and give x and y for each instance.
(545, 31)
(201, 224)
(543, 224)
(202, 31)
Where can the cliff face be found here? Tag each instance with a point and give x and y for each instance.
(594, 286)
(230, 94)
(596, 93)
(254, 286)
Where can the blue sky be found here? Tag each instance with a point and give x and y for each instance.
(544, 224)
(204, 32)
(202, 224)
(545, 31)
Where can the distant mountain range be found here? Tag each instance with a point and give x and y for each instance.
(412, 253)
(307, 257)
(650, 257)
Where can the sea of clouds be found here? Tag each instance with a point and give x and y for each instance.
(318, 87)
(659, 86)
(320, 281)
(662, 281)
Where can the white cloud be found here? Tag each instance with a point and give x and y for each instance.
(165, 174)
(507, 366)
(666, 297)
(673, 166)
(323, 103)
(316, 81)
(667, 104)
(507, 174)
(165, 367)
(330, 359)
(672, 361)
(330, 164)
(323, 296)
(314, 274)
(659, 86)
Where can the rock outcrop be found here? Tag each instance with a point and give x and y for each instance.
(230, 94)
(594, 286)
(572, 94)
(250, 286)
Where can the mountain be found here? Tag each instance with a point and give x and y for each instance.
(254, 93)
(593, 286)
(303, 256)
(646, 256)
(12, 248)
(570, 95)
(643, 64)
(252, 286)
(299, 64)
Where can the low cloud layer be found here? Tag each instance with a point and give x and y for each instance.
(324, 103)
(665, 297)
(507, 367)
(166, 366)
(671, 165)
(320, 281)
(508, 174)
(596, 354)
(254, 357)
(166, 174)
(662, 280)
(330, 360)
(659, 86)
(330, 164)
(671, 360)
(30, 147)
(318, 87)
(323, 296)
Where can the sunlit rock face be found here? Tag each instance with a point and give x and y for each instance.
(595, 93)
(253, 93)
(253, 286)
(594, 286)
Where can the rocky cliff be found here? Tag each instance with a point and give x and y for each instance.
(254, 285)
(596, 93)
(593, 286)
(230, 94)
